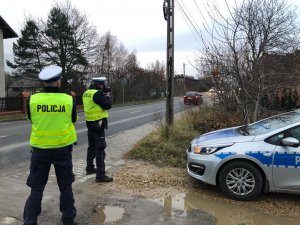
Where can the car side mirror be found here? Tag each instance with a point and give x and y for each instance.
(290, 141)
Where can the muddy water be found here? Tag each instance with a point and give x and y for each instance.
(108, 214)
(225, 213)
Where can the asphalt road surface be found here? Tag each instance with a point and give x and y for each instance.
(14, 136)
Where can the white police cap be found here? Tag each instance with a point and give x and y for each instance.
(99, 79)
(50, 73)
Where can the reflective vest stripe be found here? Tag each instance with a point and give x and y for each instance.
(61, 142)
(53, 133)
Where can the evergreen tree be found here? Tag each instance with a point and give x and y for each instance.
(28, 56)
(61, 45)
(65, 39)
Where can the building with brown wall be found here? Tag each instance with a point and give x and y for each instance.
(282, 72)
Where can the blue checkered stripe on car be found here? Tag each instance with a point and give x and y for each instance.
(284, 159)
(223, 155)
(262, 157)
(266, 160)
(287, 159)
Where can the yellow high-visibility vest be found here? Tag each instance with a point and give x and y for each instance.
(51, 118)
(92, 111)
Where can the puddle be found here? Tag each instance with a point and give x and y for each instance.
(224, 213)
(108, 214)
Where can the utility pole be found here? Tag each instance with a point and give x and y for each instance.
(168, 9)
(123, 82)
(184, 90)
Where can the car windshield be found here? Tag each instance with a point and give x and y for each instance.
(190, 94)
(270, 124)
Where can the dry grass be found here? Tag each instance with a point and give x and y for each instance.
(167, 145)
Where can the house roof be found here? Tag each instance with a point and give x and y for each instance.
(26, 82)
(8, 32)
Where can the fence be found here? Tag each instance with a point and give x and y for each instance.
(9, 104)
(12, 104)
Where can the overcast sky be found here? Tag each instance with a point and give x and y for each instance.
(138, 24)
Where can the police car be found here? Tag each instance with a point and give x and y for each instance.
(247, 160)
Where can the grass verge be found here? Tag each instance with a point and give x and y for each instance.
(167, 145)
(12, 116)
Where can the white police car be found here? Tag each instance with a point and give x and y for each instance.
(247, 160)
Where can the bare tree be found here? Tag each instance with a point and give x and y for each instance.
(238, 45)
(109, 55)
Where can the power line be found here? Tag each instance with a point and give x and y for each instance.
(189, 22)
(191, 16)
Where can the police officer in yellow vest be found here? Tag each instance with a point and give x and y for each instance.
(96, 102)
(52, 115)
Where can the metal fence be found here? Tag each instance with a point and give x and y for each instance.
(9, 104)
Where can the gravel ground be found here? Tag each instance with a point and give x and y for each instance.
(145, 179)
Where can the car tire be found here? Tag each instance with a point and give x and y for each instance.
(240, 180)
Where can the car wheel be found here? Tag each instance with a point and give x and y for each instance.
(240, 181)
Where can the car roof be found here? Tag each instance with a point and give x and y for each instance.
(192, 92)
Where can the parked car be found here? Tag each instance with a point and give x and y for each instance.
(211, 92)
(192, 98)
(247, 160)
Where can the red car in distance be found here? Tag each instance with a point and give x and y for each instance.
(192, 98)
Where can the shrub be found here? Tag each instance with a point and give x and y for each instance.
(167, 145)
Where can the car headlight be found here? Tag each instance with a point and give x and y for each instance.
(208, 149)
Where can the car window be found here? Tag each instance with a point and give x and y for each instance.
(295, 133)
(273, 123)
(275, 139)
(190, 94)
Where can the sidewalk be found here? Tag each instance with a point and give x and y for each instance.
(14, 192)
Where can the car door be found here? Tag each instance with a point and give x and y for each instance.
(286, 163)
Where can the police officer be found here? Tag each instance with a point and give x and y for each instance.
(52, 115)
(96, 102)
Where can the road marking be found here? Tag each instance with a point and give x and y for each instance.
(78, 131)
(27, 145)
(4, 136)
(136, 111)
(17, 145)
(126, 120)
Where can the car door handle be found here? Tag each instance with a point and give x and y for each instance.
(267, 154)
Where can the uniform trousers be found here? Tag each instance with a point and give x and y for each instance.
(96, 150)
(41, 161)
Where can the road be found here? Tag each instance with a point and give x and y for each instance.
(14, 136)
